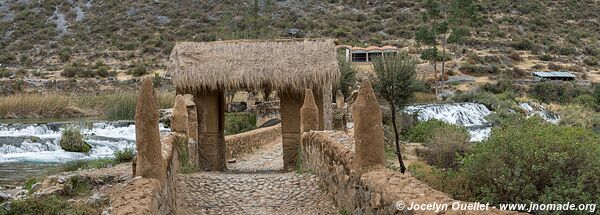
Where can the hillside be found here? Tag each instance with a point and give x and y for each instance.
(138, 35)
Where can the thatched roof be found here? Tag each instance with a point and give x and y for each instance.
(254, 64)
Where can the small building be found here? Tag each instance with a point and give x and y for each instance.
(555, 76)
(360, 54)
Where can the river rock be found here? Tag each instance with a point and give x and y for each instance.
(96, 199)
(5, 197)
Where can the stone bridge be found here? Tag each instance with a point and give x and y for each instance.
(335, 173)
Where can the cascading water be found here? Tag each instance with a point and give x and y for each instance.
(21, 143)
(541, 111)
(470, 115)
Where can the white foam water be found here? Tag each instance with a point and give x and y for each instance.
(470, 115)
(40, 142)
(541, 111)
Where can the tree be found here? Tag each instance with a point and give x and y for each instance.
(397, 83)
(453, 18)
(347, 78)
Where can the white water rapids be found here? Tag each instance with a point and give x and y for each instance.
(39, 143)
(472, 116)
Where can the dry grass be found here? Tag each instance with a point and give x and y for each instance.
(112, 106)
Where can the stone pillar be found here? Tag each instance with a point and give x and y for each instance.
(309, 113)
(319, 100)
(290, 127)
(149, 161)
(192, 116)
(339, 114)
(210, 106)
(179, 116)
(339, 100)
(327, 107)
(368, 130)
(192, 129)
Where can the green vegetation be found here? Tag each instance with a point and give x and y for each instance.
(71, 140)
(87, 164)
(397, 83)
(445, 146)
(236, 123)
(48, 205)
(348, 77)
(557, 92)
(124, 155)
(524, 160)
(76, 186)
(181, 145)
(425, 130)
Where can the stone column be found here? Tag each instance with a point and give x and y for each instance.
(339, 100)
(339, 114)
(319, 100)
(290, 127)
(309, 113)
(368, 130)
(192, 129)
(210, 106)
(179, 116)
(149, 161)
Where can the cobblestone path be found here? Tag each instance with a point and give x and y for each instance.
(254, 184)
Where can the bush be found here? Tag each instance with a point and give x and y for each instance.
(426, 129)
(125, 155)
(490, 100)
(138, 70)
(445, 147)
(559, 92)
(533, 161)
(236, 123)
(579, 116)
(72, 141)
(48, 205)
(585, 100)
(555, 67)
(546, 57)
(76, 185)
(591, 61)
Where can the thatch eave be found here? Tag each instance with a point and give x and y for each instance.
(283, 65)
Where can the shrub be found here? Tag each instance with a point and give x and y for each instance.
(48, 205)
(533, 161)
(559, 92)
(445, 147)
(426, 129)
(490, 100)
(585, 100)
(65, 55)
(236, 123)
(125, 155)
(76, 185)
(545, 57)
(555, 67)
(138, 70)
(71, 140)
(579, 116)
(591, 61)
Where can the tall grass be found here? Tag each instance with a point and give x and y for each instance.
(113, 106)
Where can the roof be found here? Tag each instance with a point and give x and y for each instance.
(288, 64)
(554, 74)
(369, 49)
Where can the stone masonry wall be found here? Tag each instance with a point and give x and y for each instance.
(330, 155)
(247, 142)
(148, 195)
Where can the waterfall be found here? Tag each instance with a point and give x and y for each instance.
(470, 115)
(40, 142)
(541, 111)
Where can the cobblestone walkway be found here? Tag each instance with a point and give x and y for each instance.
(253, 185)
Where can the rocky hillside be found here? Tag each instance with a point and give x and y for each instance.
(138, 35)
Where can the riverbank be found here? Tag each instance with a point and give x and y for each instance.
(110, 106)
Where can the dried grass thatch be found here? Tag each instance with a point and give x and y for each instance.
(291, 65)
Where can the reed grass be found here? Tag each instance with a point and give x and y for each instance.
(112, 106)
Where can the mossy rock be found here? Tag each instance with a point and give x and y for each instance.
(72, 141)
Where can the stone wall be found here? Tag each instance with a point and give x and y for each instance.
(330, 155)
(149, 195)
(247, 142)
